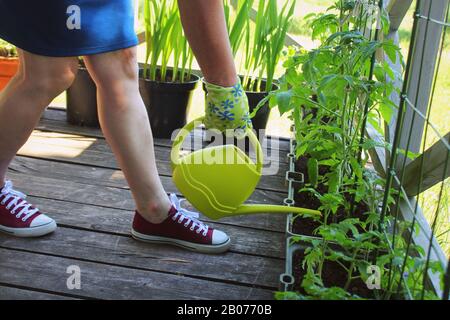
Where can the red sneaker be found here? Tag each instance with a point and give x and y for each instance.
(181, 228)
(19, 218)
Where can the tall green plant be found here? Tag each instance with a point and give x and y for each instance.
(238, 26)
(332, 92)
(262, 53)
(165, 39)
(261, 42)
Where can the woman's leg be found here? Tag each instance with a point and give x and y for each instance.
(205, 28)
(38, 81)
(126, 126)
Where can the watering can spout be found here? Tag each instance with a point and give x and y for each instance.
(261, 208)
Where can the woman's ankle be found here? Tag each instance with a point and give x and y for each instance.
(155, 211)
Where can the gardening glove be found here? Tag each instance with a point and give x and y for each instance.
(226, 108)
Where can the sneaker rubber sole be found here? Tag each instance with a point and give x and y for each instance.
(31, 232)
(202, 248)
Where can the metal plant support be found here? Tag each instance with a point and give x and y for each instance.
(408, 177)
(410, 133)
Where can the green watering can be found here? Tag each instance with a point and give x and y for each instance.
(218, 180)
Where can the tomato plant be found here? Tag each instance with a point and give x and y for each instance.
(332, 93)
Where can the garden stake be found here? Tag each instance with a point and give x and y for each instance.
(218, 187)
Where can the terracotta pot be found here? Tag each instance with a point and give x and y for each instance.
(8, 68)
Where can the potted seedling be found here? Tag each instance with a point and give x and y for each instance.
(167, 92)
(347, 264)
(82, 99)
(9, 63)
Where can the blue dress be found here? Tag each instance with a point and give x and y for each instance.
(61, 28)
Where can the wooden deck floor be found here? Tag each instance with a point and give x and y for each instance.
(70, 173)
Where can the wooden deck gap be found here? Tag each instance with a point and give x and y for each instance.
(61, 294)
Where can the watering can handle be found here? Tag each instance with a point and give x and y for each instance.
(186, 130)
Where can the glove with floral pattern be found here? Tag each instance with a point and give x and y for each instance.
(226, 107)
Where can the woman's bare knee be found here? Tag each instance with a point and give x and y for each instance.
(46, 77)
(111, 68)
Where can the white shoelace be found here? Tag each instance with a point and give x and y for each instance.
(17, 202)
(190, 216)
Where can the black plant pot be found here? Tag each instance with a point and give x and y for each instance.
(82, 101)
(254, 98)
(167, 103)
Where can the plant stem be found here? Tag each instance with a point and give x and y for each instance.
(350, 270)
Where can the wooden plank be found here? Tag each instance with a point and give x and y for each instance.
(11, 293)
(100, 208)
(425, 53)
(433, 160)
(377, 154)
(116, 221)
(54, 119)
(397, 10)
(271, 152)
(96, 152)
(90, 217)
(84, 151)
(114, 178)
(273, 144)
(397, 82)
(112, 282)
(125, 251)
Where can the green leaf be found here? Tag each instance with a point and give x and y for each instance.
(391, 50)
(301, 149)
(283, 101)
(386, 112)
(334, 181)
(357, 169)
(313, 171)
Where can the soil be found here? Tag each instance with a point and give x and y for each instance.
(333, 275)
(307, 226)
